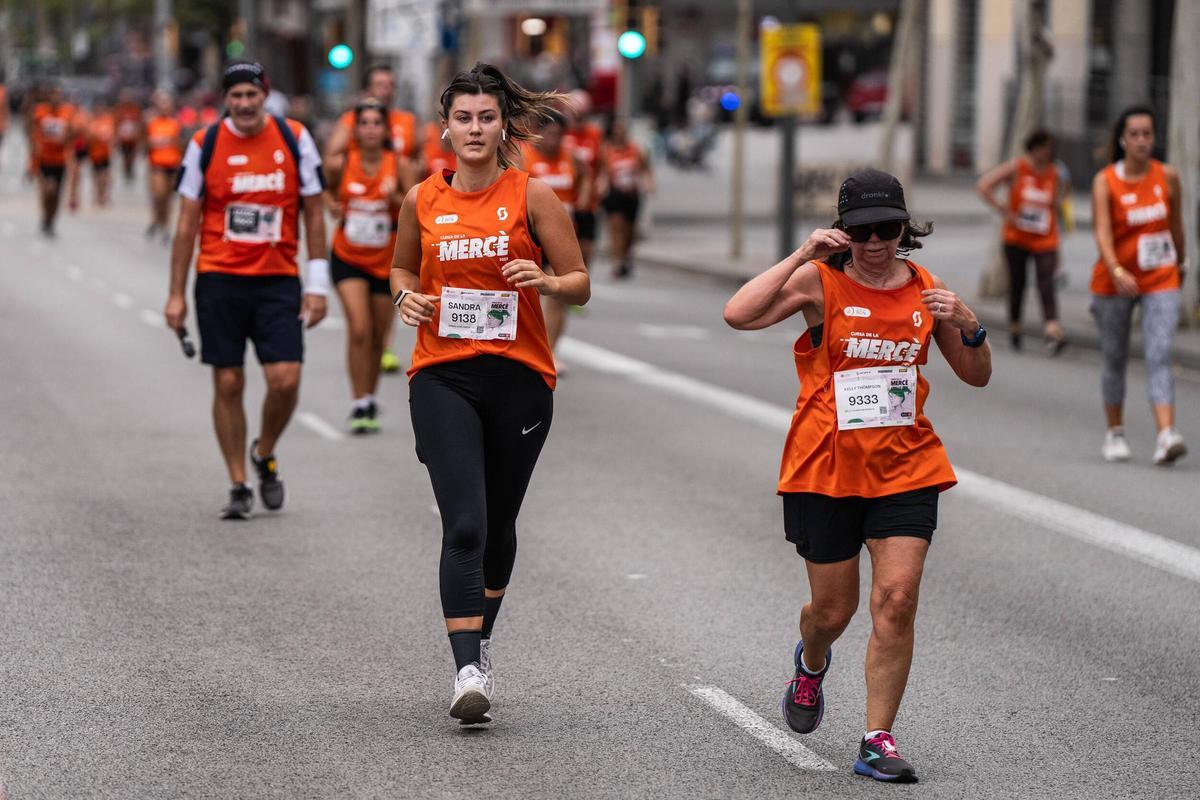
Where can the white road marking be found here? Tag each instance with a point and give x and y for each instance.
(691, 332)
(319, 426)
(98, 284)
(152, 318)
(795, 753)
(122, 300)
(636, 576)
(75, 273)
(433, 509)
(1053, 515)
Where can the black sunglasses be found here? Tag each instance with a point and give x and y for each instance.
(888, 229)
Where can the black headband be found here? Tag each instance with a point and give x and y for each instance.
(245, 72)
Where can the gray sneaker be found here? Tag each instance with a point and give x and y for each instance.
(241, 503)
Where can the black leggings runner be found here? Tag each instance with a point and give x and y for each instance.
(480, 425)
(1046, 264)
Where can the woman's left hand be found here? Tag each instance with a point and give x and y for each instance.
(946, 306)
(521, 273)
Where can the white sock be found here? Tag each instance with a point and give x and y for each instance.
(808, 671)
(362, 403)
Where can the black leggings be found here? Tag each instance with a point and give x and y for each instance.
(1046, 264)
(480, 425)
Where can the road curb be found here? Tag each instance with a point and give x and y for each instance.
(994, 319)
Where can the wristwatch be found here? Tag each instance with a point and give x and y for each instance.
(977, 339)
(399, 298)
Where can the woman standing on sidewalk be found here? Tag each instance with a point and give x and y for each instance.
(626, 175)
(862, 464)
(1139, 233)
(467, 274)
(1030, 230)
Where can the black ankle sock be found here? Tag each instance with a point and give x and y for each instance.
(491, 607)
(465, 645)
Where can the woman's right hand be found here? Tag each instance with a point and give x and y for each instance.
(1126, 284)
(416, 308)
(822, 243)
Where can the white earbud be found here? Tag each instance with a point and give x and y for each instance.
(445, 132)
(503, 135)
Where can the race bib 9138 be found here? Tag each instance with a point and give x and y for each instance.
(477, 314)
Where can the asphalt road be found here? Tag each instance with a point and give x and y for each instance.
(151, 650)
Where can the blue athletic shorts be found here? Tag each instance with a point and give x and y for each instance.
(264, 309)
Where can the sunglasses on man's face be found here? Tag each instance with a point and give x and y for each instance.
(889, 229)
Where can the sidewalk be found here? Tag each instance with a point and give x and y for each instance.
(958, 252)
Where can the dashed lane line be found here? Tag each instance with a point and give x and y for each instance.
(767, 734)
(319, 426)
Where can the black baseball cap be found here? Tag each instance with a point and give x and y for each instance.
(869, 196)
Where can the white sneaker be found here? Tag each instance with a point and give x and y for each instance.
(472, 699)
(1170, 447)
(1115, 447)
(485, 666)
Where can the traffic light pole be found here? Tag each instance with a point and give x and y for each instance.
(787, 187)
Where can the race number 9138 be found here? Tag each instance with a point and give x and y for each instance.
(464, 318)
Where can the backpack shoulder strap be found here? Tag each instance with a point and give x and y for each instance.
(289, 138)
(206, 153)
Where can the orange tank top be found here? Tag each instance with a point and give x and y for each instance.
(366, 236)
(1034, 223)
(466, 239)
(162, 140)
(51, 128)
(863, 329)
(403, 126)
(250, 223)
(1141, 231)
(100, 134)
(558, 173)
(623, 165)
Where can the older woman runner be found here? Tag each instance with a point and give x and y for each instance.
(467, 274)
(862, 463)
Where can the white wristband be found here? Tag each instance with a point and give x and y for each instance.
(318, 277)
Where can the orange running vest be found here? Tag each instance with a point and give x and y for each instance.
(162, 142)
(557, 173)
(863, 327)
(367, 197)
(51, 128)
(100, 132)
(1031, 203)
(466, 239)
(1141, 231)
(259, 178)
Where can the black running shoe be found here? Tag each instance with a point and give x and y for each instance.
(241, 503)
(878, 758)
(804, 699)
(270, 488)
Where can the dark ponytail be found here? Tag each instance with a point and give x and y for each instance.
(521, 110)
(1116, 150)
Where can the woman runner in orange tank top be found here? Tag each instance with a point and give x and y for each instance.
(1138, 225)
(862, 463)
(1035, 191)
(468, 276)
(369, 192)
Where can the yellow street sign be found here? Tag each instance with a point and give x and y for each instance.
(791, 70)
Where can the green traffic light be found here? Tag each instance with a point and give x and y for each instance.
(340, 56)
(235, 48)
(631, 44)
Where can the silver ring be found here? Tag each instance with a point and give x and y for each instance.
(939, 307)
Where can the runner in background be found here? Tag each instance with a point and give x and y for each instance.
(79, 125)
(164, 153)
(101, 134)
(1035, 192)
(53, 155)
(1138, 227)
(437, 154)
(128, 113)
(585, 139)
(624, 176)
(368, 195)
(379, 83)
(548, 160)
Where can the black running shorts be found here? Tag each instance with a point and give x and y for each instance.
(52, 172)
(830, 529)
(585, 226)
(340, 270)
(264, 309)
(624, 204)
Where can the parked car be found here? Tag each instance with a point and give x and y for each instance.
(866, 95)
